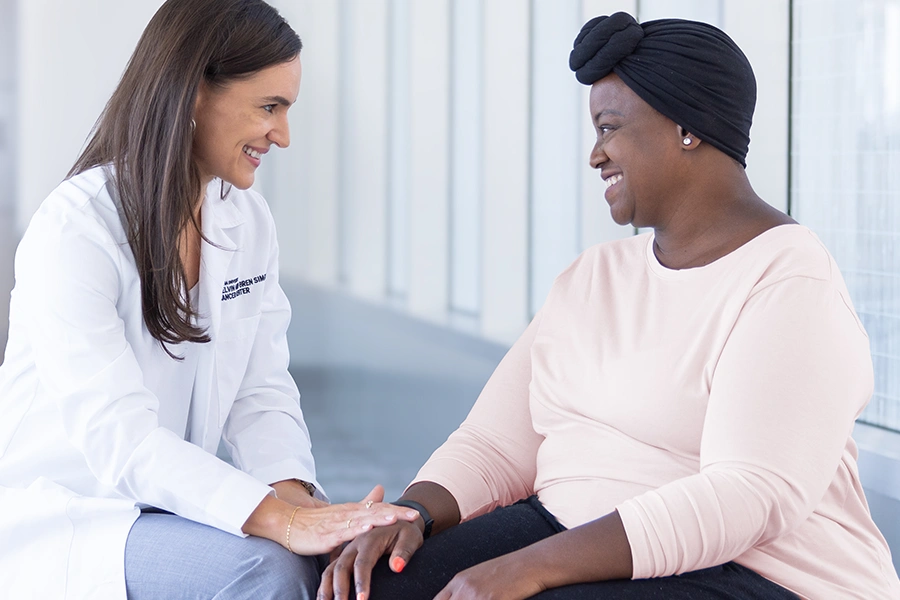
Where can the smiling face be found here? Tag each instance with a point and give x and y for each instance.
(238, 123)
(637, 152)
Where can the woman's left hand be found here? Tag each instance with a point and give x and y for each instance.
(503, 578)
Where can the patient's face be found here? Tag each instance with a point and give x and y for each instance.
(636, 152)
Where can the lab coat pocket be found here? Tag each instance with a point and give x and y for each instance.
(233, 348)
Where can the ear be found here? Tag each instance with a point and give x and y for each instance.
(688, 141)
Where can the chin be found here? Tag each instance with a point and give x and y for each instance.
(241, 183)
(621, 217)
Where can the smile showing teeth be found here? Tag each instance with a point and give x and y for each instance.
(613, 180)
(251, 152)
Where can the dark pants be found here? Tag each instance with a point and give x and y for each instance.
(509, 529)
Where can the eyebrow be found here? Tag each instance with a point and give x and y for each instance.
(607, 111)
(277, 100)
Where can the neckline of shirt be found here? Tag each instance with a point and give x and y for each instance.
(662, 271)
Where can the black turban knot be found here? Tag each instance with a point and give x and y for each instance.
(691, 72)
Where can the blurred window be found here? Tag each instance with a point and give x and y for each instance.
(845, 164)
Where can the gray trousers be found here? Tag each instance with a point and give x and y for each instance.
(169, 557)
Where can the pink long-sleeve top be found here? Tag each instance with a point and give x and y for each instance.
(712, 407)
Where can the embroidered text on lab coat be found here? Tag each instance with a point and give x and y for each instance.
(238, 287)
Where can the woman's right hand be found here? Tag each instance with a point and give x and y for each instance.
(322, 529)
(355, 563)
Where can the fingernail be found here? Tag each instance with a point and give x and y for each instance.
(413, 514)
(360, 596)
(398, 564)
(367, 527)
(389, 518)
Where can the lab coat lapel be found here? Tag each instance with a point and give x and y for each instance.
(221, 222)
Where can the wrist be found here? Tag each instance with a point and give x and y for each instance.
(295, 494)
(285, 485)
(287, 533)
(424, 515)
(532, 565)
(310, 488)
(269, 520)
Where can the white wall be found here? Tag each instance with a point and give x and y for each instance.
(556, 156)
(506, 101)
(7, 160)
(71, 55)
(7, 103)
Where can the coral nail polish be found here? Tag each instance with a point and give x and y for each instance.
(397, 564)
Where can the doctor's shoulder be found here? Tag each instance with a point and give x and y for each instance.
(79, 207)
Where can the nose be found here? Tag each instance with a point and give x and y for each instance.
(280, 134)
(598, 156)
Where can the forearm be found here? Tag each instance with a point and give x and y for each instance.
(437, 501)
(595, 551)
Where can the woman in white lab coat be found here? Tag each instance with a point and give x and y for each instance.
(147, 324)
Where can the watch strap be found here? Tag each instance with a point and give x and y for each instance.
(426, 517)
(310, 488)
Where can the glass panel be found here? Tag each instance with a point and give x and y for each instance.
(845, 164)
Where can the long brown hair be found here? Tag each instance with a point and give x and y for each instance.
(146, 134)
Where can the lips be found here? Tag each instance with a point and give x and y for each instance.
(613, 180)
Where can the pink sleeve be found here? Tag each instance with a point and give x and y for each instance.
(792, 377)
(490, 460)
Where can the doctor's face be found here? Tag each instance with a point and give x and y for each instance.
(239, 122)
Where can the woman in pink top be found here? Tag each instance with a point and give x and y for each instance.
(675, 422)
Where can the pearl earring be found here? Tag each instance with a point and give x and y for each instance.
(686, 141)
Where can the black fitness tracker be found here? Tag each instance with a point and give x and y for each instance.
(422, 511)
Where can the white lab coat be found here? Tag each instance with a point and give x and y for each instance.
(97, 421)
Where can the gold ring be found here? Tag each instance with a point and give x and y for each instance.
(369, 504)
(348, 523)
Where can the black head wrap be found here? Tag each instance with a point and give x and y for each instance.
(691, 72)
